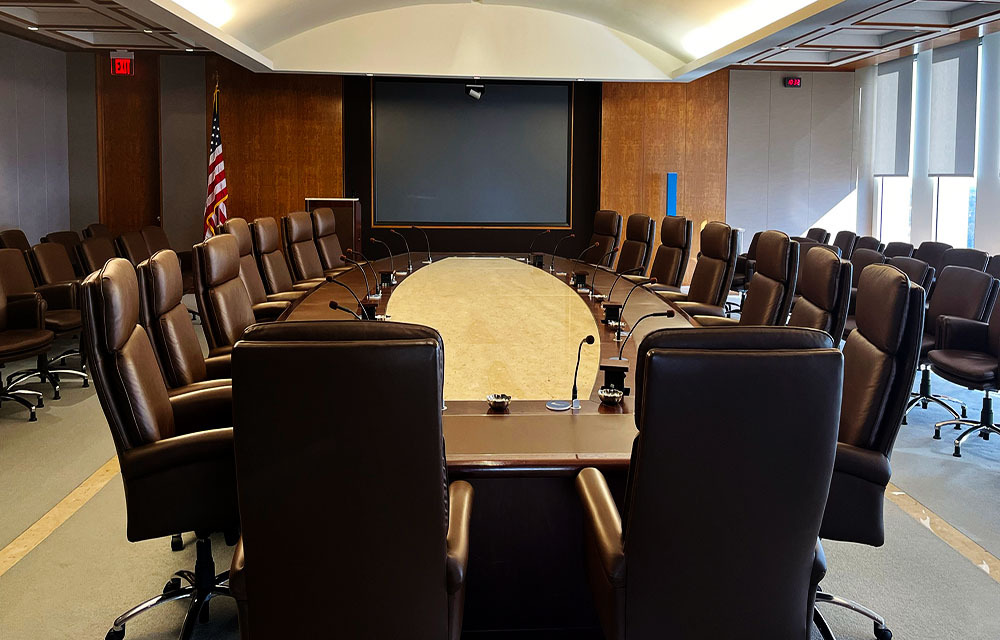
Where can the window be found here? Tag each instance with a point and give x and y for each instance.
(894, 207)
(955, 202)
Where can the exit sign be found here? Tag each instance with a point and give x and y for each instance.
(122, 63)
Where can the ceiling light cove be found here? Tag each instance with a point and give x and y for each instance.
(214, 12)
(737, 23)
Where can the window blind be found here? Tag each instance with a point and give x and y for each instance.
(954, 93)
(893, 107)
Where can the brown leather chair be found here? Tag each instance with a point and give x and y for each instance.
(846, 241)
(175, 453)
(53, 268)
(993, 266)
(412, 584)
(222, 298)
(898, 250)
(156, 240)
(869, 242)
(714, 269)
(324, 222)
(671, 260)
(97, 230)
(265, 306)
(971, 258)
(22, 335)
(53, 264)
(14, 239)
(169, 327)
(70, 240)
(931, 253)
(816, 234)
(607, 234)
(918, 271)
(300, 247)
(770, 293)
(960, 292)
(861, 259)
(651, 578)
(95, 252)
(271, 261)
(132, 246)
(633, 258)
(825, 282)
(880, 361)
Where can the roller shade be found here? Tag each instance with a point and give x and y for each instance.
(893, 105)
(954, 92)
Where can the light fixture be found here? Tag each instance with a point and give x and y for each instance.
(189, 50)
(475, 77)
(147, 31)
(369, 74)
(581, 79)
(475, 91)
(32, 28)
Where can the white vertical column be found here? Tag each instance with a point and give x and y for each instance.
(922, 195)
(988, 168)
(864, 148)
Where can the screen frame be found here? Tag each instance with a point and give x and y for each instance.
(463, 81)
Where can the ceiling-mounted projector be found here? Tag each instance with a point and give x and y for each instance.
(475, 91)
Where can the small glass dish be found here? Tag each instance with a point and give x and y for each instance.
(610, 396)
(498, 401)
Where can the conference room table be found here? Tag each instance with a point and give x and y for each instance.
(526, 567)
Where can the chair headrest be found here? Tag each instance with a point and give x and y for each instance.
(298, 227)
(265, 234)
(883, 299)
(715, 240)
(117, 299)
(607, 222)
(220, 259)
(637, 227)
(819, 276)
(773, 249)
(674, 232)
(239, 229)
(324, 222)
(338, 330)
(14, 239)
(162, 272)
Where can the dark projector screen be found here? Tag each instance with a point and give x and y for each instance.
(443, 158)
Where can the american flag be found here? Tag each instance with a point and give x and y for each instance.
(215, 203)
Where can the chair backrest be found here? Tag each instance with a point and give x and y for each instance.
(167, 321)
(898, 249)
(607, 234)
(300, 247)
(249, 271)
(270, 259)
(825, 283)
(97, 230)
(971, 258)
(752, 249)
(132, 246)
(819, 235)
(846, 241)
(869, 242)
(327, 241)
(222, 298)
(861, 259)
(14, 239)
(672, 255)
(95, 252)
(640, 230)
(53, 263)
(769, 295)
(775, 516)
(919, 272)
(993, 266)
(15, 276)
(931, 253)
(155, 238)
(713, 271)
(397, 447)
(960, 291)
(70, 240)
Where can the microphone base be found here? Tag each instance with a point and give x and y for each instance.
(619, 337)
(374, 296)
(559, 405)
(381, 317)
(561, 274)
(402, 273)
(428, 261)
(598, 296)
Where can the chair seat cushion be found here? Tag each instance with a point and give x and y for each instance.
(24, 342)
(927, 343)
(850, 325)
(700, 308)
(61, 320)
(969, 365)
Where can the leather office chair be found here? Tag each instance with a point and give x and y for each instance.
(745, 266)
(671, 259)
(634, 256)
(880, 361)
(54, 270)
(769, 296)
(819, 235)
(265, 306)
(713, 270)
(132, 246)
(222, 298)
(861, 259)
(96, 230)
(14, 239)
(300, 247)
(95, 252)
(869, 242)
(993, 266)
(170, 330)
(961, 292)
(70, 240)
(651, 578)
(328, 244)
(931, 253)
(157, 240)
(918, 271)
(846, 241)
(53, 263)
(271, 261)
(825, 283)
(971, 258)
(176, 453)
(607, 234)
(413, 584)
(898, 250)
(22, 335)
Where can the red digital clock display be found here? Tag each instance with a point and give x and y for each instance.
(792, 82)
(121, 66)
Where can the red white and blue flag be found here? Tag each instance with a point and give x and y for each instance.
(215, 203)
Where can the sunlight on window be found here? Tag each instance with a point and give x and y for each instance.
(894, 208)
(956, 211)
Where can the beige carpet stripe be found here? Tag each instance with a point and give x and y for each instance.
(946, 532)
(57, 515)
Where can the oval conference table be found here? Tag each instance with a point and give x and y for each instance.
(509, 327)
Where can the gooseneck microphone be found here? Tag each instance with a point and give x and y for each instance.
(641, 283)
(392, 262)
(336, 307)
(536, 239)
(377, 295)
(355, 263)
(562, 405)
(593, 276)
(659, 314)
(349, 290)
(429, 259)
(627, 272)
(552, 263)
(409, 263)
(593, 246)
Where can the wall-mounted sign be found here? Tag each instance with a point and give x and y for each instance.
(122, 63)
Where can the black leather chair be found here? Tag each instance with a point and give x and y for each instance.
(94, 252)
(176, 453)
(971, 258)
(769, 296)
(23, 335)
(222, 298)
(265, 306)
(825, 282)
(713, 270)
(635, 253)
(880, 361)
(898, 250)
(745, 266)
(819, 235)
(869, 242)
(671, 259)
(961, 292)
(931, 253)
(70, 240)
(993, 266)
(97, 230)
(846, 241)
(861, 259)
(414, 524)
(918, 271)
(651, 578)
(607, 234)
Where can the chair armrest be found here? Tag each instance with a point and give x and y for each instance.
(218, 367)
(601, 517)
(670, 293)
(221, 351)
(284, 296)
(61, 295)
(750, 268)
(962, 334)
(459, 513)
(700, 309)
(307, 285)
(715, 321)
(237, 572)
(819, 565)
(268, 311)
(868, 465)
(171, 454)
(26, 311)
(203, 409)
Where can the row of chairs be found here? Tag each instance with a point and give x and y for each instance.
(668, 263)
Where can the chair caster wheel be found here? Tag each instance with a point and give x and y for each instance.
(32, 417)
(86, 383)
(985, 435)
(923, 405)
(958, 452)
(882, 633)
(904, 420)
(41, 403)
(56, 396)
(964, 413)
(937, 433)
(176, 542)
(114, 634)
(173, 584)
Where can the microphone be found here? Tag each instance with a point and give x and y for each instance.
(562, 405)
(350, 290)
(593, 246)
(659, 314)
(377, 295)
(580, 277)
(552, 263)
(429, 259)
(354, 263)
(336, 307)
(593, 276)
(623, 273)
(392, 263)
(541, 261)
(641, 283)
(615, 369)
(409, 263)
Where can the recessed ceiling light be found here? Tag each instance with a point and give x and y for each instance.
(475, 77)
(369, 74)
(783, 47)
(189, 50)
(581, 79)
(147, 31)
(32, 28)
